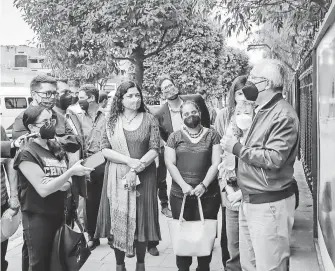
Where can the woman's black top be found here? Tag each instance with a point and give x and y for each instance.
(30, 200)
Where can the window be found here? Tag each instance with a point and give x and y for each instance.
(15, 103)
(21, 61)
(33, 60)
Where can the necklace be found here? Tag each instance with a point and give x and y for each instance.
(194, 135)
(130, 120)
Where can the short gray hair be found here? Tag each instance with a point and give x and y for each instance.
(271, 69)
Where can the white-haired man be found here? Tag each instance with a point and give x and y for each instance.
(265, 172)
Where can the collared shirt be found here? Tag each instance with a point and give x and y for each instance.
(87, 120)
(68, 119)
(74, 109)
(94, 139)
(263, 104)
(177, 121)
(4, 195)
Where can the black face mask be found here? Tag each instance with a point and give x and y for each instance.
(250, 90)
(64, 101)
(75, 99)
(84, 104)
(48, 131)
(192, 121)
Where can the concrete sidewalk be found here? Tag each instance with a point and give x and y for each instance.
(102, 258)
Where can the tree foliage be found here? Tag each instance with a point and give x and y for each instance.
(88, 38)
(200, 60)
(297, 20)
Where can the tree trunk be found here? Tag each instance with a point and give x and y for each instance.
(138, 56)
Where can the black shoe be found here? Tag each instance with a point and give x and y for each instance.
(167, 212)
(110, 242)
(93, 243)
(153, 251)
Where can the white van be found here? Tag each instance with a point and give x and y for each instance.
(13, 100)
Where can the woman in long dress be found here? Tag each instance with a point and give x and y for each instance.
(129, 207)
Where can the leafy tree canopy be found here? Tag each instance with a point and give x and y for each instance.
(200, 60)
(297, 21)
(88, 38)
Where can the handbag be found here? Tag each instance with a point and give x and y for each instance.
(69, 249)
(192, 238)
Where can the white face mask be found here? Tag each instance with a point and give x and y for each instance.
(243, 121)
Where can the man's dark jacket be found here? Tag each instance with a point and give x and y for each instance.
(164, 117)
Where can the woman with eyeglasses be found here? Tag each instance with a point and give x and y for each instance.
(44, 177)
(192, 156)
(129, 206)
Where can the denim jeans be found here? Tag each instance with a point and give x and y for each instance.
(4, 244)
(39, 231)
(210, 208)
(94, 189)
(233, 263)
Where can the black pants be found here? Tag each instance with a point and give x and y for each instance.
(162, 189)
(4, 244)
(210, 208)
(224, 243)
(140, 253)
(39, 232)
(161, 181)
(94, 189)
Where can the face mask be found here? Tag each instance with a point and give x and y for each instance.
(250, 90)
(171, 94)
(192, 121)
(84, 104)
(133, 104)
(75, 99)
(48, 131)
(243, 121)
(64, 101)
(48, 104)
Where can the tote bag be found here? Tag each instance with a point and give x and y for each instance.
(192, 238)
(69, 248)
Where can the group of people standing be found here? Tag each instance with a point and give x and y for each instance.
(242, 164)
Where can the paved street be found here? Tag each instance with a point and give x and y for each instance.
(102, 259)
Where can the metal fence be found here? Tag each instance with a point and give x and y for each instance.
(305, 98)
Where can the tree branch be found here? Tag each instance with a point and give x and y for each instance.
(161, 48)
(123, 58)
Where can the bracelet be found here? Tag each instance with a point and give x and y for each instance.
(69, 182)
(204, 186)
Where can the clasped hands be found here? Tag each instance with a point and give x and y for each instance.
(136, 166)
(198, 191)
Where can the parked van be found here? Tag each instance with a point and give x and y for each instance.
(13, 100)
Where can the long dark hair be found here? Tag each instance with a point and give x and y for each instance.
(117, 107)
(238, 83)
(30, 116)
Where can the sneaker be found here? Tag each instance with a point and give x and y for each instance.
(153, 251)
(93, 243)
(167, 212)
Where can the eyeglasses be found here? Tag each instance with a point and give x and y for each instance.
(261, 81)
(47, 94)
(47, 122)
(168, 87)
